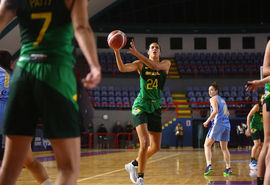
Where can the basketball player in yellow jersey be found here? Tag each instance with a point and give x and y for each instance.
(43, 83)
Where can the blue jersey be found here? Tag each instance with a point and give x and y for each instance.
(221, 118)
(5, 79)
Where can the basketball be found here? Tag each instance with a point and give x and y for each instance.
(117, 39)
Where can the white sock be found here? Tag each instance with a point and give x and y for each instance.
(228, 166)
(208, 163)
(47, 182)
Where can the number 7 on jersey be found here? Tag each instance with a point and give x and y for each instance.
(48, 18)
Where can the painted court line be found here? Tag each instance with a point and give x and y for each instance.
(95, 176)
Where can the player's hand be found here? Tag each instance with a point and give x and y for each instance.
(93, 78)
(254, 85)
(248, 133)
(205, 124)
(132, 49)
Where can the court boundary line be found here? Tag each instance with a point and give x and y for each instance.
(107, 173)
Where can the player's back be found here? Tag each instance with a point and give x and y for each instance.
(222, 116)
(46, 28)
(5, 79)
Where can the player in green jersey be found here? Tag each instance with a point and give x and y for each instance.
(43, 83)
(255, 129)
(263, 171)
(146, 110)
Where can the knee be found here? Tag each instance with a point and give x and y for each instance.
(72, 169)
(29, 163)
(144, 144)
(207, 145)
(156, 148)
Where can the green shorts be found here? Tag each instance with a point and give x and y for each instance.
(267, 102)
(257, 134)
(42, 90)
(153, 120)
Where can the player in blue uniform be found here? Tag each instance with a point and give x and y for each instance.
(219, 131)
(31, 164)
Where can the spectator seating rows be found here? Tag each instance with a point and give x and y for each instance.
(125, 95)
(232, 94)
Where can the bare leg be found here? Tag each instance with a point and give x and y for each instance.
(155, 143)
(261, 161)
(67, 153)
(12, 162)
(207, 149)
(256, 149)
(226, 153)
(144, 144)
(35, 167)
(267, 169)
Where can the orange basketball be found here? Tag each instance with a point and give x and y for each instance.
(117, 39)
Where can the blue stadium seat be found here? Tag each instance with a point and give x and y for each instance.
(205, 94)
(198, 94)
(203, 89)
(132, 94)
(131, 89)
(117, 89)
(240, 88)
(167, 93)
(169, 100)
(255, 94)
(132, 99)
(189, 89)
(163, 101)
(111, 93)
(240, 93)
(233, 94)
(247, 93)
(233, 89)
(104, 93)
(103, 88)
(196, 89)
(226, 94)
(124, 93)
(117, 93)
(191, 94)
(96, 93)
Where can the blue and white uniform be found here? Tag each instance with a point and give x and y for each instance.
(221, 127)
(5, 79)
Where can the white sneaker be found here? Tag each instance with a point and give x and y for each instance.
(133, 171)
(140, 181)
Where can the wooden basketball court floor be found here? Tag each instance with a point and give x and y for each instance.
(168, 166)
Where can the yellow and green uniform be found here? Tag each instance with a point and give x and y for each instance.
(256, 125)
(147, 106)
(43, 84)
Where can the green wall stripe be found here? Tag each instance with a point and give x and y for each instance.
(9, 27)
(97, 15)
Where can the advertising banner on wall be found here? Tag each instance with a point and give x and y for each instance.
(41, 143)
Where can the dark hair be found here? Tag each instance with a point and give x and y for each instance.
(153, 43)
(5, 60)
(216, 86)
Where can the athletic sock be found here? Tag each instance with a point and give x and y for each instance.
(260, 180)
(135, 163)
(140, 175)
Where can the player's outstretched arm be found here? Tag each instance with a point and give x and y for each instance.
(164, 65)
(255, 84)
(8, 9)
(86, 40)
(136, 65)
